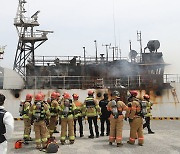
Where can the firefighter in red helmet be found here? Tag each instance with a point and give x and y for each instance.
(135, 119)
(80, 113)
(24, 111)
(67, 110)
(148, 115)
(39, 112)
(54, 110)
(92, 111)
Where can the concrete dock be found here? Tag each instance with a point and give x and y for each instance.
(166, 140)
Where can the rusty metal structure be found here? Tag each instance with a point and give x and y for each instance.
(75, 72)
(29, 39)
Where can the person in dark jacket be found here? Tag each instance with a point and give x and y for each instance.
(105, 115)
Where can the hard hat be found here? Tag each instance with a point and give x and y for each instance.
(54, 95)
(133, 93)
(75, 96)
(42, 94)
(38, 97)
(58, 94)
(29, 97)
(90, 92)
(116, 93)
(66, 95)
(146, 96)
(18, 144)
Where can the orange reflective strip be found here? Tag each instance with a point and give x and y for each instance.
(111, 137)
(133, 108)
(131, 139)
(119, 138)
(141, 138)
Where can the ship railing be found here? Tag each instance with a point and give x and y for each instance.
(171, 78)
(85, 82)
(25, 20)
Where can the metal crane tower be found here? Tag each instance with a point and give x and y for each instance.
(29, 39)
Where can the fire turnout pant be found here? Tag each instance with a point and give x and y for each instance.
(52, 124)
(136, 130)
(67, 122)
(147, 123)
(103, 120)
(116, 126)
(27, 128)
(40, 133)
(94, 120)
(79, 119)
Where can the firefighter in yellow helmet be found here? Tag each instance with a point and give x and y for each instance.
(116, 118)
(67, 109)
(25, 114)
(38, 113)
(148, 115)
(54, 110)
(135, 119)
(92, 110)
(80, 113)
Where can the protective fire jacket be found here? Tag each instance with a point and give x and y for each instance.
(120, 107)
(39, 114)
(148, 107)
(54, 108)
(92, 107)
(80, 111)
(134, 109)
(70, 114)
(26, 108)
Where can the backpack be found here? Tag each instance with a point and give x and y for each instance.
(52, 146)
(21, 108)
(143, 108)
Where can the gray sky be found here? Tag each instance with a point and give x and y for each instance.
(77, 23)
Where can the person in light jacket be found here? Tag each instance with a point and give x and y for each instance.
(6, 126)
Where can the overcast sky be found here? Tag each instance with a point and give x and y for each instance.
(77, 23)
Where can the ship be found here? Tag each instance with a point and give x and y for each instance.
(142, 71)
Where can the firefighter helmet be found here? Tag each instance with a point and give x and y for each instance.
(146, 96)
(38, 97)
(29, 97)
(116, 93)
(133, 93)
(42, 94)
(58, 94)
(54, 95)
(75, 96)
(66, 95)
(90, 92)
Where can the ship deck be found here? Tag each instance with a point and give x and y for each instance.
(164, 141)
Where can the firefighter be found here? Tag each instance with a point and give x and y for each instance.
(105, 115)
(135, 119)
(92, 110)
(58, 100)
(39, 112)
(25, 114)
(148, 115)
(54, 110)
(116, 118)
(80, 114)
(67, 109)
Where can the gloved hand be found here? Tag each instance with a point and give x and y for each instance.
(130, 120)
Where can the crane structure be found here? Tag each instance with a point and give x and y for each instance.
(29, 38)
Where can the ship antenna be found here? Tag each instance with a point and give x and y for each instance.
(114, 23)
(140, 41)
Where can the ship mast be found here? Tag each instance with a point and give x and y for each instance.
(29, 39)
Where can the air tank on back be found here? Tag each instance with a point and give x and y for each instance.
(153, 45)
